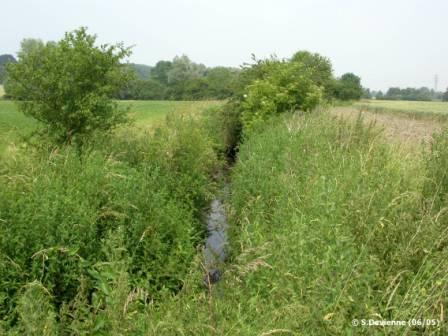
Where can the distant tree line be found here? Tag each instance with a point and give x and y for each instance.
(5, 59)
(180, 79)
(411, 94)
(183, 79)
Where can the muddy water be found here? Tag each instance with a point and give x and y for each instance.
(216, 242)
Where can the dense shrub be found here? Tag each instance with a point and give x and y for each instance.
(348, 87)
(68, 85)
(320, 67)
(59, 211)
(286, 87)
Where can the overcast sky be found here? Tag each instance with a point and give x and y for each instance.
(386, 42)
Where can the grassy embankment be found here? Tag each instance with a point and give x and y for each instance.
(416, 109)
(329, 224)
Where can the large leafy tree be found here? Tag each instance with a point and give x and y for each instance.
(160, 72)
(68, 85)
(30, 45)
(348, 87)
(221, 82)
(319, 66)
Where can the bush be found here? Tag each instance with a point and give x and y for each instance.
(348, 87)
(68, 85)
(285, 87)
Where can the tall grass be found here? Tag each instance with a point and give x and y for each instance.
(339, 229)
(59, 211)
(329, 223)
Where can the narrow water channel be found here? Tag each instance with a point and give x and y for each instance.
(216, 243)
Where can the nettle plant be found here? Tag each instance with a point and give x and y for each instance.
(283, 86)
(69, 85)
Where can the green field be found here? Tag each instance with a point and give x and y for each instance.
(14, 125)
(147, 112)
(414, 108)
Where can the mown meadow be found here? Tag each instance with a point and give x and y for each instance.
(417, 109)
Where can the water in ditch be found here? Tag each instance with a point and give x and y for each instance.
(216, 243)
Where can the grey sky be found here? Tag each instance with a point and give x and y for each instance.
(386, 42)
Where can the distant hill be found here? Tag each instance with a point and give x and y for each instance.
(4, 59)
(143, 71)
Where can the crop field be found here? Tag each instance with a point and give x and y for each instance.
(417, 109)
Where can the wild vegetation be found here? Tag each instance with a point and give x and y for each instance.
(57, 85)
(124, 213)
(328, 221)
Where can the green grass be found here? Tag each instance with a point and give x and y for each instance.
(328, 224)
(146, 114)
(119, 222)
(13, 126)
(2, 91)
(419, 109)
